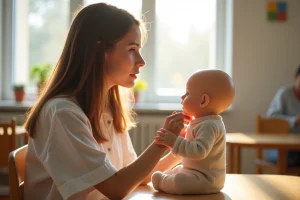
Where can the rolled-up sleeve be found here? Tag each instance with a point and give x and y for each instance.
(72, 156)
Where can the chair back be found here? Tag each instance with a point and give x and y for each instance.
(17, 172)
(271, 125)
(7, 141)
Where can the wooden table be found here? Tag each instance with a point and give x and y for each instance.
(283, 143)
(237, 187)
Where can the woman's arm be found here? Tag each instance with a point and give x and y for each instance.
(169, 160)
(128, 178)
(165, 163)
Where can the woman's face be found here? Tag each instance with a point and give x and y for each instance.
(123, 62)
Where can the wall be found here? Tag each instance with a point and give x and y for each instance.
(265, 56)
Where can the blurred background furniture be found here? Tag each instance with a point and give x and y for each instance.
(7, 144)
(10, 136)
(17, 172)
(281, 142)
(271, 126)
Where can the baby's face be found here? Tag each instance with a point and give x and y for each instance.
(190, 100)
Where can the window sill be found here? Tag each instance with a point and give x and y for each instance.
(12, 106)
(140, 108)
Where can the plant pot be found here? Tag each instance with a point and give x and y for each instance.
(19, 95)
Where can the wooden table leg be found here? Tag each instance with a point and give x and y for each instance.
(238, 159)
(230, 158)
(282, 161)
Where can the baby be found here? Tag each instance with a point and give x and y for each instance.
(203, 150)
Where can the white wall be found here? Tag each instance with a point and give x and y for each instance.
(265, 56)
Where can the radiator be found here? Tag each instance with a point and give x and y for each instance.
(142, 135)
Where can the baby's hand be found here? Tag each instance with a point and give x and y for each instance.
(165, 137)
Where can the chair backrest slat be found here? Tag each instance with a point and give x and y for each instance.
(17, 172)
(7, 141)
(271, 125)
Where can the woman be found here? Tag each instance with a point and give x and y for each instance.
(79, 147)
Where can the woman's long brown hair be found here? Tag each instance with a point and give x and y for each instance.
(80, 71)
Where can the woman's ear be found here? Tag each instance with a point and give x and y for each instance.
(204, 100)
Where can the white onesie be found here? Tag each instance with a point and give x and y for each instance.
(203, 152)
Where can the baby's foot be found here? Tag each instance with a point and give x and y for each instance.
(156, 177)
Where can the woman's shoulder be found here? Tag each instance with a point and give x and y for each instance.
(60, 104)
(285, 90)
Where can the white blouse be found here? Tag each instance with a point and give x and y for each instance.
(64, 161)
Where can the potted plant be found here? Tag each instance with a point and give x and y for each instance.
(140, 86)
(19, 91)
(40, 74)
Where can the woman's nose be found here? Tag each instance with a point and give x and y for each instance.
(140, 62)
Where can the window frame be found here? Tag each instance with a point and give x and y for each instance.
(223, 38)
(223, 48)
(6, 50)
(7, 36)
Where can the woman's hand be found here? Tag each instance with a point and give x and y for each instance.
(175, 122)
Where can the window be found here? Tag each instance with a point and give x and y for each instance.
(183, 36)
(38, 30)
(189, 46)
(133, 6)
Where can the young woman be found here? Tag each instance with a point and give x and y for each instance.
(79, 147)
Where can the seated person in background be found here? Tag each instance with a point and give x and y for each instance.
(286, 105)
(208, 93)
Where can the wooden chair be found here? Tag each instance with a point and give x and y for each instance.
(17, 172)
(7, 141)
(267, 126)
(7, 144)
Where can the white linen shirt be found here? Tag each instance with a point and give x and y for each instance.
(64, 161)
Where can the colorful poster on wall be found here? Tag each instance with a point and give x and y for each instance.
(277, 11)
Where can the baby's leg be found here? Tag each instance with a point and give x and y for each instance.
(184, 181)
(158, 176)
(190, 183)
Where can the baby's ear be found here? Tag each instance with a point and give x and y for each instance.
(204, 100)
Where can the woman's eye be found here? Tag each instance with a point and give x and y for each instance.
(133, 50)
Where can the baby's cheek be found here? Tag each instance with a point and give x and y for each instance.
(187, 107)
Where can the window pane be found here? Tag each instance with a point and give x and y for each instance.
(132, 6)
(40, 31)
(185, 42)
